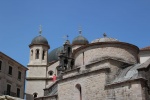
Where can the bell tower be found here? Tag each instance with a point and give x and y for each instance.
(38, 61)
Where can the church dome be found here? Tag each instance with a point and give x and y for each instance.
(105, 39)
(53, 55)
(80, 40)
(39, 40)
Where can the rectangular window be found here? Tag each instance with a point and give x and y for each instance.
(18, 92)
(0, 65)
(19, 75)
(10, 70)
(8, 89)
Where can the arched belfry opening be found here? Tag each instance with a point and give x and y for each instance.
(43, 55)
(37, 54)
(79, 91)
(35, 95)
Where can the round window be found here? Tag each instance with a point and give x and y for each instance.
(50, 72)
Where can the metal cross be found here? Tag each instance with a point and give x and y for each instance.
(40, 31)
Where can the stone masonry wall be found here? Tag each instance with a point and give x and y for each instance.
(125, 91)
(92, 87)
(97, 52)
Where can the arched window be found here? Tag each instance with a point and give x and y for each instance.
(31, 52)
(37, 54)
(35, 95)
(78, 87)
(43, 55)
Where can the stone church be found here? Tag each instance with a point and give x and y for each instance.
(104, 69)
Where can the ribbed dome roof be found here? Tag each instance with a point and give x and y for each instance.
(105, 39)
(53, 55)
(80, 40)
(39, 40)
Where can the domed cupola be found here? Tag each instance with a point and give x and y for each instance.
(105, 39)
(80, 40)
(53, 55)
(39, 40)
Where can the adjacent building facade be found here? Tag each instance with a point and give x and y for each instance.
(12, 77)
(104, 69)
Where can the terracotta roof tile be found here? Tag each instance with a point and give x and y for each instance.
(145, 48)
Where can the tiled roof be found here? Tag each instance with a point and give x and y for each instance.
(146, 48)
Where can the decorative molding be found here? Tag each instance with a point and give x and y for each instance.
(39, 78)
(37, 65)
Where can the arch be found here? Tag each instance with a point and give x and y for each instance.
(79, 89)
(35, 94)
(31, 52)
(37, 54)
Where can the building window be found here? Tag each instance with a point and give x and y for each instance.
(18, 92)
(0, 65)
(19, 75)
(35, 95)
(43, 55)
(10, 70)
(8, 89)
(37, 54)
(50, 72)
(78, 87)
(31, 52)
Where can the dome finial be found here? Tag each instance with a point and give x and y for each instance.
(105, 35)
(40, 31)
(67, 36)
(80, 30)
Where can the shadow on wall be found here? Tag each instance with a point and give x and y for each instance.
(29, 97)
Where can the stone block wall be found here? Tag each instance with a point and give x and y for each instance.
(92, 87)
(125, 91)
(122, 52)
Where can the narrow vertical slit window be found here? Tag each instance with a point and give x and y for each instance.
(31, 52)
(0, 65)
(37, 54)
(83, 58)
(43, 55)
(78, 87)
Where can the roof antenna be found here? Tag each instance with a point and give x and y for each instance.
(80, 30)
(105, 35)
(40, 31)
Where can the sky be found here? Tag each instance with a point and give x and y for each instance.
(126, 20)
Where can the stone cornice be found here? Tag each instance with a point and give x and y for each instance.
(37, 65)
(46, 97)
(72, 70)
(39, 44)
(127, 81)
(38, 78)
